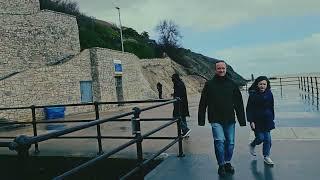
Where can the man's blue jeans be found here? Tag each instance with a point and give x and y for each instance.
(223, 136)
(265, 138)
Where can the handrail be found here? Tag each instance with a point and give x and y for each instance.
(80, 121)
(93, 103)
(104, 156)
(22, 143)
(94, 160)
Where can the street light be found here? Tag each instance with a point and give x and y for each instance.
(120, 30)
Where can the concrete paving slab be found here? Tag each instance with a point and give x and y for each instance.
(293, 133)
(279, 133)
(307, 132)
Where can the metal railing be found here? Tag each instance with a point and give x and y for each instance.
(307, 84)
(21, 144)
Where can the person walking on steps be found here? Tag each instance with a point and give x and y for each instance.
(260, 115)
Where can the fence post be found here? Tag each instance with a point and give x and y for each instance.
(34, 127)
(21, 145)
(280, 88)
(316, 81)
(136, 130)
(308, 84)
(299, 81)
(96, 108)
(177, 105)
(304, 83)
(311, 86)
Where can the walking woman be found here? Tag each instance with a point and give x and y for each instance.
(260, 115)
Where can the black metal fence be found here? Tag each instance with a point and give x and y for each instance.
(307, 84)
(21, 144)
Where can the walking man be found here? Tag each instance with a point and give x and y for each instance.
(179, 90)
(222, 97)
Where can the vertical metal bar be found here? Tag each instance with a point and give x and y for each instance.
(304, 83)
(34, 127)
(299, 81)
(96, 108)
(22, 147)
(137, 131)
(311, 86)
(281, 87)
(316, 82)
(308, 84)
(178, 102)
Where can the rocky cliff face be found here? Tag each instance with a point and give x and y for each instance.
(198, 64)
(161, 70)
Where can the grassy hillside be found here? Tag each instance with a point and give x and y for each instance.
(97, 33)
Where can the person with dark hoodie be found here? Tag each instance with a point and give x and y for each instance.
(181, 108)
(260, 115)
(221, 96)
(159, 88)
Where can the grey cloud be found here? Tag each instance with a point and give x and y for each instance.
(281, 58)
(200, 15)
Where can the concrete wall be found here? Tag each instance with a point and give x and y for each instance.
(19, 6)
(30, 41)
(135, 86)
(59, 84)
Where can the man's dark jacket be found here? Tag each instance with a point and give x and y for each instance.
(179, 90)
(222, 97)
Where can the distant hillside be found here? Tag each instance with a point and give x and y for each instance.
(98, 33)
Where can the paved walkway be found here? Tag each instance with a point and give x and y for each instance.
(296, 143)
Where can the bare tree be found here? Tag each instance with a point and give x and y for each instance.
(169, 34)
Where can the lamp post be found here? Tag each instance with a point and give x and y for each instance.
(120, 30)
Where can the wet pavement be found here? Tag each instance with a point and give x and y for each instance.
(296, 142)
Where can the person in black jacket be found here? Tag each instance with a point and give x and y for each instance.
(260, 115)
(181, 108)
(221, 96)
(159, 88)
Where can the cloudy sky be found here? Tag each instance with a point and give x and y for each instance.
(263, 37)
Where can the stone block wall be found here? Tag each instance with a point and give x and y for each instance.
(135, 86)
(58, 84)
(19, 6)
(31, 41)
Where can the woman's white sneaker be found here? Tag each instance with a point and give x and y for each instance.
(268, 160)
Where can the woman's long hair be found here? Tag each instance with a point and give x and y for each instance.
(254, 85)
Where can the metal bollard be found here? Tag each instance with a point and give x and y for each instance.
(136, 130)
(96, 108)
(34, 127)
